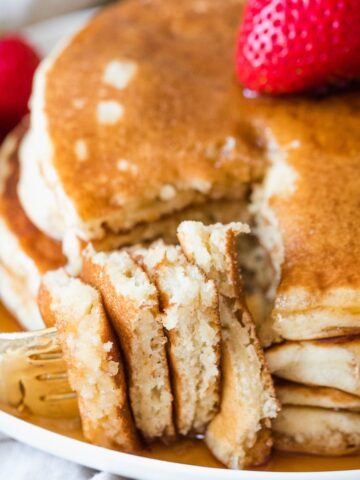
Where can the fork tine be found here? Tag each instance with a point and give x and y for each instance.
(33, 374)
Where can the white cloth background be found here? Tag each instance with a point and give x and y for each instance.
(18, 461)
(16, 13)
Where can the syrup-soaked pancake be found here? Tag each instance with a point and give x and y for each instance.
(310, 211)
(156, 121)
(140, 115)
(25, 252)
(149, 125)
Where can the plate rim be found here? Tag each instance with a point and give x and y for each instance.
(119, 463)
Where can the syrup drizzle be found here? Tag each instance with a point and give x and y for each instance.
(192, 452)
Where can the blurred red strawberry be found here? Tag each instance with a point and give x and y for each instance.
(287, 46)
(18, 61)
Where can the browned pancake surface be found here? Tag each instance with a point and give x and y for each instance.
(179, 109)
(320, 221)
(45, 252)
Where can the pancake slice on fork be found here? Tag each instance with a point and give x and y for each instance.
(239, 435)
(93, 359)
(131, 301)
(190, 315)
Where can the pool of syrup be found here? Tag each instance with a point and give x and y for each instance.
(194, 452)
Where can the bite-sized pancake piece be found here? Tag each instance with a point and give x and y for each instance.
(308, 211)
(290, 393)
(25, 252)
(131, 301)
(318, 431)
(239, 436)
(189, 304)
(94, 364)
(333, 362)
(130, 123)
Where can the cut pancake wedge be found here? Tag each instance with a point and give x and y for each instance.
(94, 364)
(190, 316)
(239, 435)
(333, 362)
(131, 301)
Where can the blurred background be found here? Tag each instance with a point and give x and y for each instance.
(29, 29)
(14, 14)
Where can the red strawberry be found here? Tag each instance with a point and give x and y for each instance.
(287, 46)
(18, 62)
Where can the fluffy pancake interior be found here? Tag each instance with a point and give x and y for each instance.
(94, 367)
(257, 274)
(279, 179)
(248, 399)
(190, 307)
(131, 301)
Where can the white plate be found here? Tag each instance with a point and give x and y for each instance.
(44, 36)
(138, 467)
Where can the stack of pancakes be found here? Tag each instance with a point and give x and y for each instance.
(138, 123)
(309, 219)
(25, 252)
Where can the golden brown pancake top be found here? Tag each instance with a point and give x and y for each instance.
(179, 109)
(181, 106)
(320, 220)
(45, 252)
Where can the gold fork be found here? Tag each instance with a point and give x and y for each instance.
(33, 374)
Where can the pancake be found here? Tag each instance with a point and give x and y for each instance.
(123, 139)
(317, 420)
(189, 304)
(308, 213)
(131, 301)
(87, 176)
(317, 431)
(94, 363)
(290, 393)
(223, 211)
(25, 252)
(333, 362)
(239, 436)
